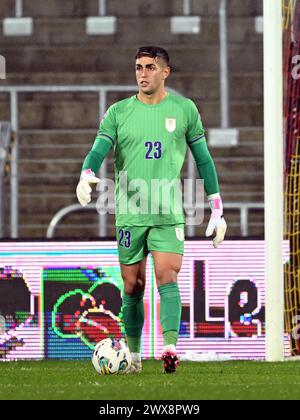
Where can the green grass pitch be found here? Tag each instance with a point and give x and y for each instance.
(68, 380)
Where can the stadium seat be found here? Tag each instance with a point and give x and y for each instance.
(61, 53)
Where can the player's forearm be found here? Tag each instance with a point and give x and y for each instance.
(96, 156)
(206, 167)
(93, 161)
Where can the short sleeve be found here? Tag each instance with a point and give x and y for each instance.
(108, 127)
(195, 132)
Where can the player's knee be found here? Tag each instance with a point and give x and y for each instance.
(166, 276)
(133, 285)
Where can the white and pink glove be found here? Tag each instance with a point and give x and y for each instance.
(216, 222)
(84, 190)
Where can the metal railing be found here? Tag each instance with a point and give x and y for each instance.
(224, 78)
(102, 91)
(244, 209)
(5, 140)
(14, 92)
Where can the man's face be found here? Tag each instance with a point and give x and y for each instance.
(150, 74)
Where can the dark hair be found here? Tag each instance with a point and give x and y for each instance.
(154, 52)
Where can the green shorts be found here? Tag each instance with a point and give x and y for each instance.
(135, 242)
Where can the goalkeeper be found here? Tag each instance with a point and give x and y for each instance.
(149, 133)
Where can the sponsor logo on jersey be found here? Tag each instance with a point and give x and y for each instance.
(171, 124)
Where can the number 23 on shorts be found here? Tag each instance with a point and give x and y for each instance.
(124, 238)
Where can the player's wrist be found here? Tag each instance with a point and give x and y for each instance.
(215, 203)
(86, 174)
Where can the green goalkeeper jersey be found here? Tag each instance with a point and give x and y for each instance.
(150, 143)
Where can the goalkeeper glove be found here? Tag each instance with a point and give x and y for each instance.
(83, 190)
(216, 222)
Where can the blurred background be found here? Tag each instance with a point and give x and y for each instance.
(62, 64)
(72, 59)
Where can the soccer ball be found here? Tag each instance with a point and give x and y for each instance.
(111, 356)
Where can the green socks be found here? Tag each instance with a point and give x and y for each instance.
(170, 315)
(133, 315)
(170, 312)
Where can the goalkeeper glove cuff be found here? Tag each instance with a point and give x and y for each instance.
(216, 222)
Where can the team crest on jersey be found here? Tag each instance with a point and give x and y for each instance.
(171, 124)
(179, 234)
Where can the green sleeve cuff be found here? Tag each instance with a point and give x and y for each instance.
(97, 155)
(206, 167)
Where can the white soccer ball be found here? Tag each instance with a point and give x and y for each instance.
(111, 356)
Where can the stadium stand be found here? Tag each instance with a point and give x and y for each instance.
(57, 129)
